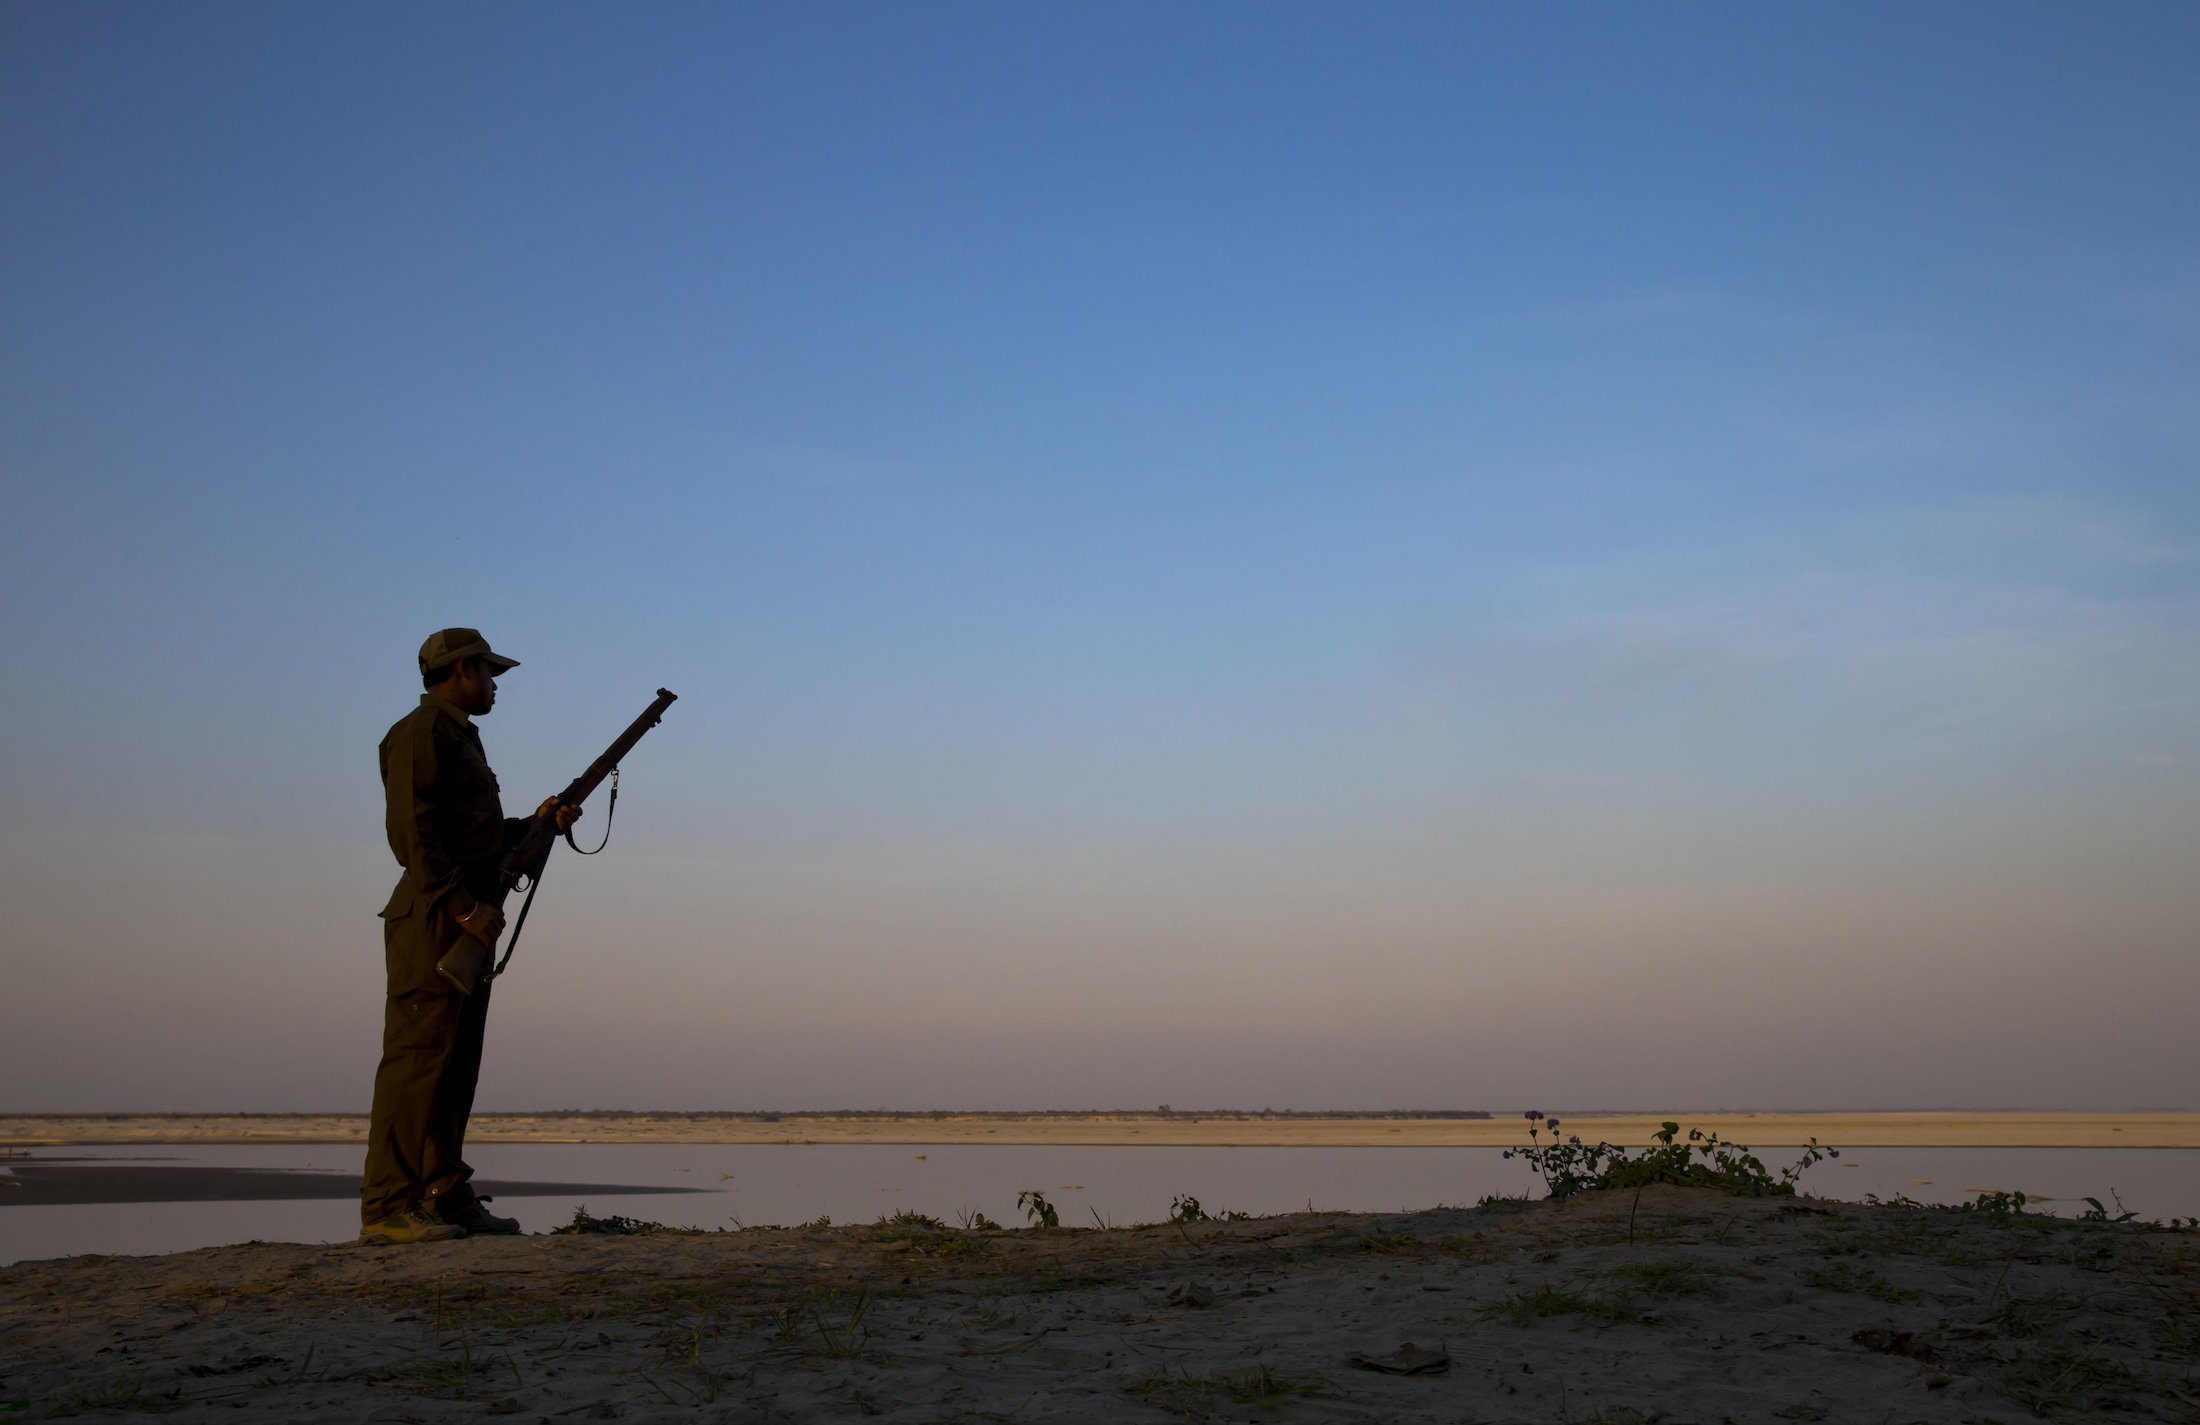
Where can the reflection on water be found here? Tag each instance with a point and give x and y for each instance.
(789, 1183)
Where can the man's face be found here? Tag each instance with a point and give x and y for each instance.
(474, 686)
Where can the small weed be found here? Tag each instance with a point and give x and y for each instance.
(457, 1374)
(2096, 1213)
(829, 1322)
(1037, 1210)
(585, 1224)
(1268, 1389)
(1668, 1277)
(976, 1221)
(1186, 1209)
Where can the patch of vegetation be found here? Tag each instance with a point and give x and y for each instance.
(1261, 1388)
(1995, 1204)
(827, 1322)
(1527, 1307)
(1673, 1276)
(129, 1393)
(1504, 1202)
(1705, 1160)
(2063, 1379)
(1188, 1209)
(585, 1224)
(460, 1373)
(1474, 1249)
(1862, 1281)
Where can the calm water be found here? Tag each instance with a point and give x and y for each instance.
(772, 1183)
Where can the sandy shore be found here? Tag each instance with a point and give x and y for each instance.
(1679, 1305)
(1761, 1130)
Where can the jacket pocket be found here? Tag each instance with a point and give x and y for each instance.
(400, 903)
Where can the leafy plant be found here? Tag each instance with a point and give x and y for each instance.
(1186, 1209)
(2096, 1213)
(585, 1224)
(1704, 1160)
(1037, 1210)
(1996, 1204)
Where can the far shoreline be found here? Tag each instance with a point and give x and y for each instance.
(1186, 1129)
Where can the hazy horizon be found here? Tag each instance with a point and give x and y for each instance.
(1271, 555)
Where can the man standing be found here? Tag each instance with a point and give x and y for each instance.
(448, 830)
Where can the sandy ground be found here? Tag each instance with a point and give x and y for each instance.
(1763, 1130)
(1679, 1305)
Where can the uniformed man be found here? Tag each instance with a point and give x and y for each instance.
(448, 830)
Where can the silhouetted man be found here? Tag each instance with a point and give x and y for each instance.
(447, 828)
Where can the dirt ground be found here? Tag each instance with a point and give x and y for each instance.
(1672, 1305)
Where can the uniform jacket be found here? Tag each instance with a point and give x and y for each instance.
(448, 830)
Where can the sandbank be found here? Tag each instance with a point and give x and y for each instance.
(1847, 1130)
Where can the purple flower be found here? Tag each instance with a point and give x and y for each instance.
(1534, 1114)
(1551, 1123)
(1575, 1139)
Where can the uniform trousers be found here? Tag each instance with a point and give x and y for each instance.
(423, 1095)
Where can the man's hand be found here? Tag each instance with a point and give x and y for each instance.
(484, 922)
(565, 816)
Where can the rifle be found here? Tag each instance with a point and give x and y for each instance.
(470, 964)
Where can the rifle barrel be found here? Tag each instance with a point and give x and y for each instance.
(578, 789)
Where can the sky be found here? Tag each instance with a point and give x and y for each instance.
(1283, 555)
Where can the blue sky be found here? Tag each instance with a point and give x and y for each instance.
(1221, 554)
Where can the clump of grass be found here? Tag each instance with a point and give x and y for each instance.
(828, 1323)
(1527, 1307)
(928, 1236)
(1703, 1160)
